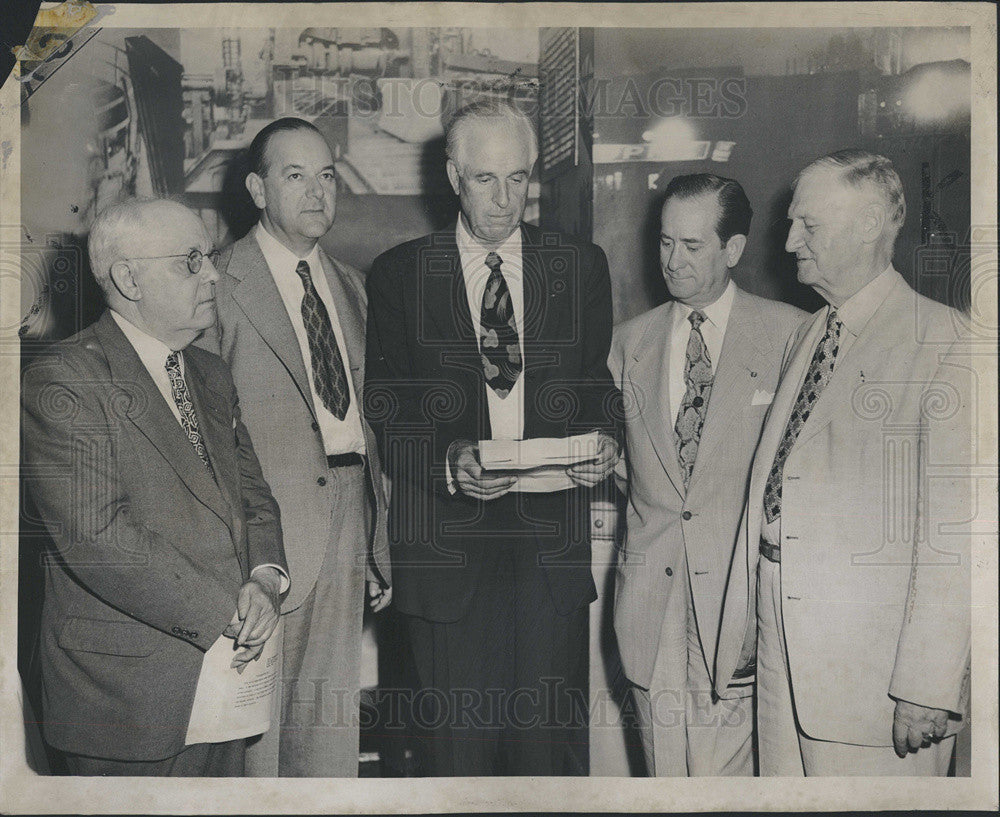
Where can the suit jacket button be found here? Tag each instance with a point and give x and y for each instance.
(176, 630)
(669, 571)
(321, 481)
(315, 426)
(686, 515)
(194, 634)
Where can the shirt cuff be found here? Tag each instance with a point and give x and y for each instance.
(285, 581)
(448, 478)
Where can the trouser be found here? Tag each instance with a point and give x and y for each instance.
(685, 731)
(199, 760)
(503, 690)
(318, 734)
(784, 750)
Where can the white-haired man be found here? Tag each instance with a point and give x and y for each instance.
(858, 497)
(492, 329)
(166, 535)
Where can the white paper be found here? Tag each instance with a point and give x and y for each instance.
(540, 463)
(522, 455)
(229, 705)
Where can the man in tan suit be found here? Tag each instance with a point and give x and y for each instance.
(860, 500)
(292, 327)
(697, 375)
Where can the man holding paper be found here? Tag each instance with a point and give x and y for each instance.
(698, 375)
(492, 330)
(166, 536)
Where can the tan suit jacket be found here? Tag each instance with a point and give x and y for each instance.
(676, 536)
(255, 337)
(875, 546)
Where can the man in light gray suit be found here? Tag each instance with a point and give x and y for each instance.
(292, 327)
(697, 375)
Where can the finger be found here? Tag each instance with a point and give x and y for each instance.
(485, 482)
(915, 737)
(249, 622)
(899, 741)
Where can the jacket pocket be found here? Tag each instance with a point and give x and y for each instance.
(125, 638)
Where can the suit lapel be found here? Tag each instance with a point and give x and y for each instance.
(215, 423)
(650, 378)
(743, 346)
(148, 411)
(350, 315)
(258, 297)
(868, 346)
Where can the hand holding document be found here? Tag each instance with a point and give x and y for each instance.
(229, 704)
(540, 463)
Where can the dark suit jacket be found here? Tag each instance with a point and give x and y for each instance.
(255, 337)
(426, 389)
(150, 551)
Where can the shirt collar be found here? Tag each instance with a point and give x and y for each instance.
(279, 258)
(717, 312)
(152, 351)
(857, 310)
(470, 246)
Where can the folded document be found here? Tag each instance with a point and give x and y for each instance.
(539, 464)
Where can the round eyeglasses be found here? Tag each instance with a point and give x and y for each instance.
(194, 259)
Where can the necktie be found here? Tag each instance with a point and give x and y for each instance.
(694, 406)
(189, 421)
(498, 340)
(820, 370)
(329, 375)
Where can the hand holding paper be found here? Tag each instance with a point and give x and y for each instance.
(551, 463)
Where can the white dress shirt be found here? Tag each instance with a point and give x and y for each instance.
(153, 354)
(713, 331)
(339, 436)
(506, 414)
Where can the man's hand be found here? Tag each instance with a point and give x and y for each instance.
(916, 726)
(590, 473)
(378, 597)
(257, 611)
(469, 476)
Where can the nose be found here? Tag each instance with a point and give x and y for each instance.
(314, 187)
(794, 240)
(501, 198)
(209, 273)
(675, 259)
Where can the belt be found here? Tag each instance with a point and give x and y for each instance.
(343, 460)
(770, 552)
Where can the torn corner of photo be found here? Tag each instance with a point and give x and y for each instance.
(229, 705)
(540, 463)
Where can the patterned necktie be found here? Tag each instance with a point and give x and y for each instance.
(498, 340)
(329, 375)
(820, 370)
(189, 421)
(694, 406)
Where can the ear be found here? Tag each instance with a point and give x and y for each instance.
(453, 175)
(734, 249)
(872, 221)
(124, 281)
(255, 186)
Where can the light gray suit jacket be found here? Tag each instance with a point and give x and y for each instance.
(876, 503)
(674, 535)
(255, 337)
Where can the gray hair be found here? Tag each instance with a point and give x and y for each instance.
(487, 109)
(867, 171)
(114, 232)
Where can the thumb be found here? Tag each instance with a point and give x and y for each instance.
(899, 732)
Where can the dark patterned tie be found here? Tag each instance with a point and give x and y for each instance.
(329, 375)
(189, 421)
(698, 382)
(820, 370)
(498, 340)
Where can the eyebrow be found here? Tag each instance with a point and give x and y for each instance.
(294, 166)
